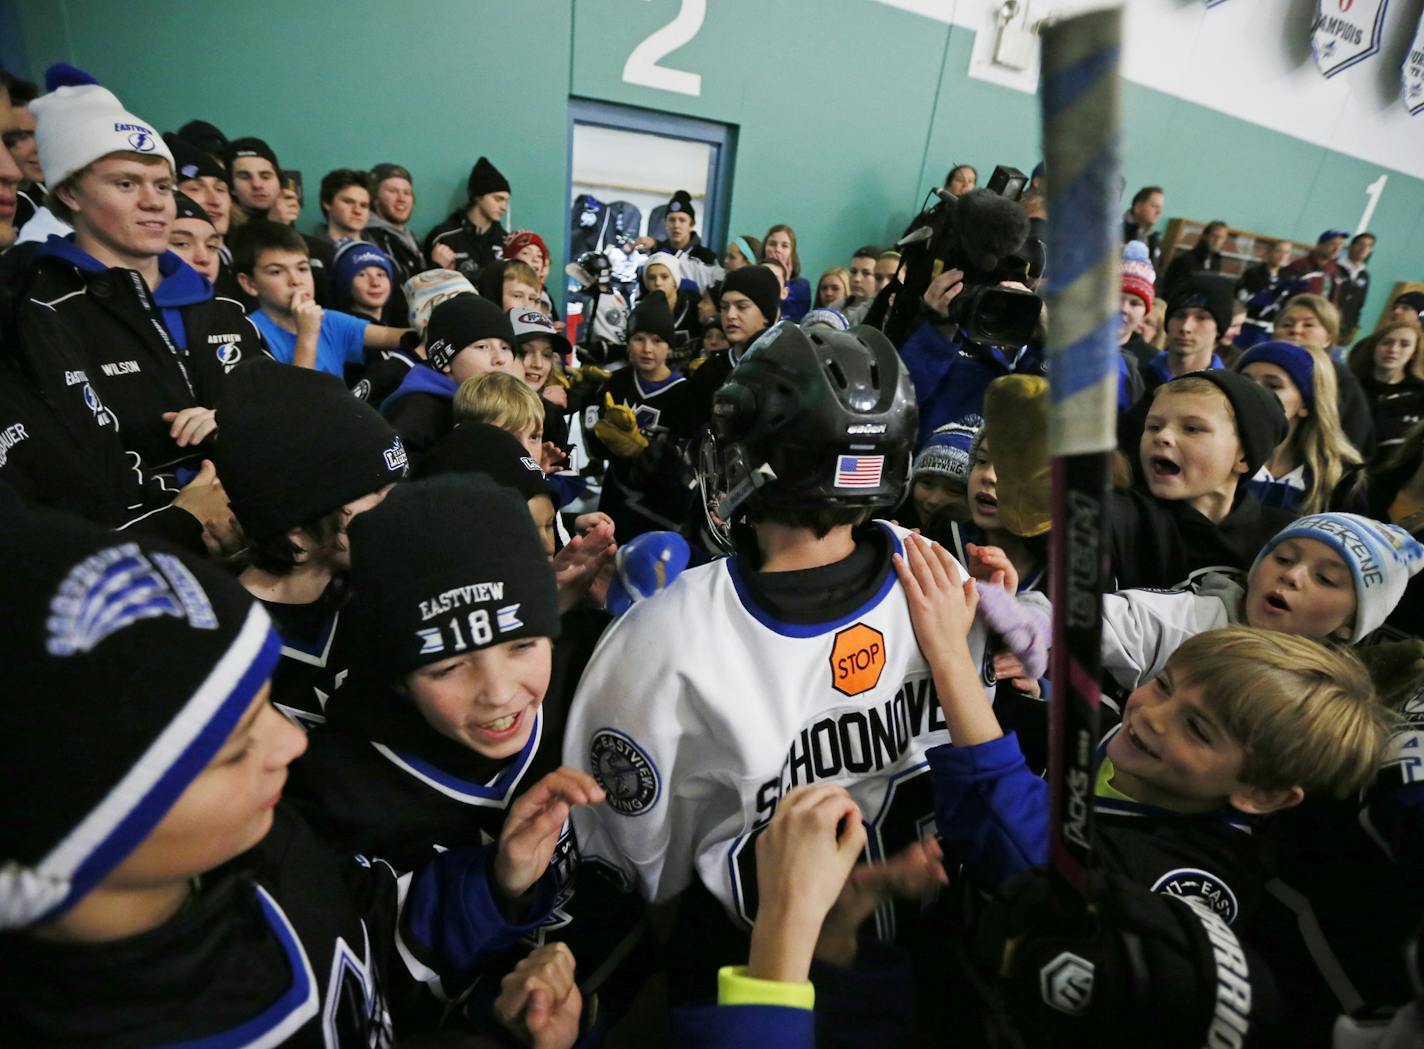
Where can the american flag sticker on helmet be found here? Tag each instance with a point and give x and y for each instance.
(858, 471)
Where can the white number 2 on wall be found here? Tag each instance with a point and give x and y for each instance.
(1373, 192)
(642, 66)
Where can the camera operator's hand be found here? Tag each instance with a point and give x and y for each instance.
(1017, 285)
(943, 290)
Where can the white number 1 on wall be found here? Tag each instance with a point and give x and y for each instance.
(642, 66)
(1373, 192)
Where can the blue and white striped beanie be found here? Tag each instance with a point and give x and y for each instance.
(128, 666)
(1382, 558)
(946, 452)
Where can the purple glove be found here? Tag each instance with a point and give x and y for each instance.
(1025, 630)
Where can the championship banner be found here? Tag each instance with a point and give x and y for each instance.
(1413, 72)
(1346, 32)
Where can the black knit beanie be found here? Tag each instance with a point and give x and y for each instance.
(135, 664)
(248, 147)
(479, 577)
(480, 448)
(681, 204)
(207, 137)
(1205, 293)
(189, 161)
(486, 178)
(457, 322)
(653, 316)
(758, 284)
(489, 283)
(295, 444)
(188, 208)
(1260, 422)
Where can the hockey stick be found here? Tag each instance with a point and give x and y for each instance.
(1079, 95)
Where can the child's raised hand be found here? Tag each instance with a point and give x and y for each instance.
(989, 564)
(531, 829)
(942, 599)
(803, 858)
(585, 523)
(307, 314)
(539, 1001)
(551, 457)
(912, 874)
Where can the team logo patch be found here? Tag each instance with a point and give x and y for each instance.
(530, 464)
(857, 659)
(229, 353)
(396, 459)
(1066, 983)
(1190, 884)
(625, 773)
(141, 142)
(116, 588)
(859, 471)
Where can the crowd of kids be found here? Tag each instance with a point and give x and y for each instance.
(389, 670)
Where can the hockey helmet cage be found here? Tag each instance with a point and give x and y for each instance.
(814, 418)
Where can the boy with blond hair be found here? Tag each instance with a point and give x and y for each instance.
(502, 400)
(1240, 723)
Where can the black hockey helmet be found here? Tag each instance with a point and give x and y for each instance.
(810, 419)
(591, 271)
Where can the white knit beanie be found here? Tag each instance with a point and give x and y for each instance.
(1381, 557)
(668, 259)
(75, 126)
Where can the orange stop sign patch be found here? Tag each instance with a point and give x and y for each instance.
(857, 659)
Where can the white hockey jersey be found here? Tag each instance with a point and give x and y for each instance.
(1142, 628)
(699, 710)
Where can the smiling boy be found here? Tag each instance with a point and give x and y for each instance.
(110, 305)
(166, 889)
(1239, 723)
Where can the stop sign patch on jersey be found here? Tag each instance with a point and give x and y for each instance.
(857, 659)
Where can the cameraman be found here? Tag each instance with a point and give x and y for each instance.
(949, 371)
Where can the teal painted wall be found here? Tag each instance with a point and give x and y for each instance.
(846, 110)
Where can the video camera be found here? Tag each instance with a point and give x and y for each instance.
(985, 233)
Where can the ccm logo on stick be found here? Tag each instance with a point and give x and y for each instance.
(857, 659)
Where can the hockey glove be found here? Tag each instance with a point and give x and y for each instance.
(584, 381)
(647, 565)
(617, 428)
(1143, 968)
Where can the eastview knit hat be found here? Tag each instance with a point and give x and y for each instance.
(478, 577)
(75, 126)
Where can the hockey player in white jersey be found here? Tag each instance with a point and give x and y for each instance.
(793, 661)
